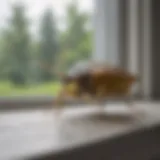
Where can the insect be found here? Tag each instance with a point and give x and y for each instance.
(95, 82)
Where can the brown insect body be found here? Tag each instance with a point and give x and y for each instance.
(99, 81)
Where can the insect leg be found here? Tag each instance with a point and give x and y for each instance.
(59, 103)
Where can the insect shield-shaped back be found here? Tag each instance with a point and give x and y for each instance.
(112, 82)
(98, 80)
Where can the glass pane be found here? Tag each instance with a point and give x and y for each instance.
(40, 40)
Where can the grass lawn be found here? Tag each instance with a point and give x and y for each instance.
(7, 89)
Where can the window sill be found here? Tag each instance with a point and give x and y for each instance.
(80, 137)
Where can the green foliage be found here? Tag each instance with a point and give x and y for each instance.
(16, 47)
(26, 62)
(76, 40)
(49, 45)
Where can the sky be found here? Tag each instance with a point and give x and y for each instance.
(36, 8)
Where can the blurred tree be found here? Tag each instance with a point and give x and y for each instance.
(49, 45)
(76, 40)
(16, 47)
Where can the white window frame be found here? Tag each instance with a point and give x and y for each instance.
(107, 39)
(137, 36)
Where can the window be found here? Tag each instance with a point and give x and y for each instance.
(40, 39)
